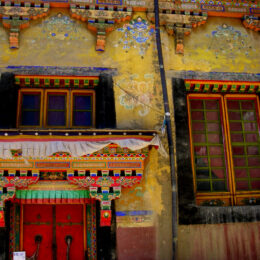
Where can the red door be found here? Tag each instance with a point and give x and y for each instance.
(54, 223)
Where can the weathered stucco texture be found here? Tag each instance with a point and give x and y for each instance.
(236, 241)
(221, 45)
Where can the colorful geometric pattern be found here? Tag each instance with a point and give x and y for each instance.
(56, 81)
(125, 169)
(52, 196)
(210, 86)
(14, 239)
(105, 189)
(91, 230)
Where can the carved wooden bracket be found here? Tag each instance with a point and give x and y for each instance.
(8, 186)
(252, 22)
(179, 24)
(101, 21)
(17, 17)
(105, 189)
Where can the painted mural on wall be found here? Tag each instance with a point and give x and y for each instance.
(61, 27)
(136, 93)
(227, 41)
(137, 34)
(221, 45)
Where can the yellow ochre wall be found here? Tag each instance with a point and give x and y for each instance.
(222, 45)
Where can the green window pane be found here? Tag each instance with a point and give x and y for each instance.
(210, 164)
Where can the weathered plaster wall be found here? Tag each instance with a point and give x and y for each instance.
(148, 205)
(219, 242)
(221, 45)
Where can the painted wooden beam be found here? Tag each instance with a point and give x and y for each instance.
(18, 17)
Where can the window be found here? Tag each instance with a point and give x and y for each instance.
(225, 138)
(31, 103)
(82, 109)
(56, 108)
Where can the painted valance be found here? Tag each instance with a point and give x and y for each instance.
(42, 146)
(52, 196)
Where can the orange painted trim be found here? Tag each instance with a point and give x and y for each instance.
(191, 144)
(258, 110)
(247, 193)
(56, 91)
(241, 96)
(19, 107)
(231, 14)
(228, 152)
(139, 9)
(212, 195)
(227, 14)
(94, 138)
(56, 77)
(222, 82)
(59, 5)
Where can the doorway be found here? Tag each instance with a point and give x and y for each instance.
(61, 230)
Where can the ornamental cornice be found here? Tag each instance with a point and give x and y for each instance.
(102, 16)
(18, 17)
(100, 21)
(179, 25)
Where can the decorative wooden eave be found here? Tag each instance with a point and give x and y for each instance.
(252, 23)
(101, 20)
(212, 86)
(181, 17)
(179, 24)
(101, 164)
(16, 16)
(44, 81)
(228, 8)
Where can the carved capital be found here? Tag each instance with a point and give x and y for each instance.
(179, 25)
(252, 23)
(105, 189)
(100, 21)
(15, 18)
(10, 184)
